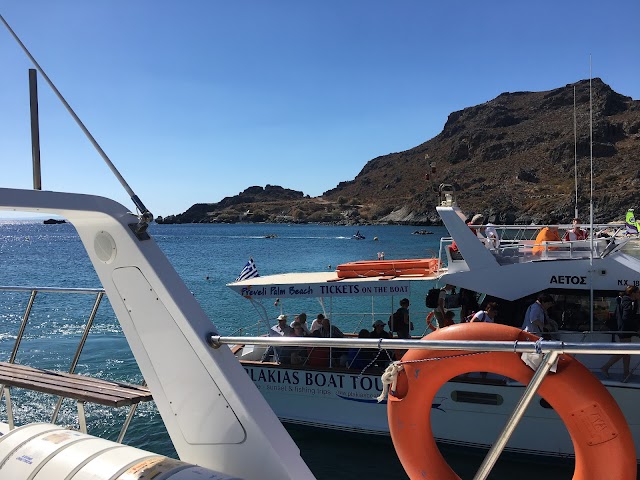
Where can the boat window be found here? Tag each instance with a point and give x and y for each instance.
(571, 311)
(476, 397)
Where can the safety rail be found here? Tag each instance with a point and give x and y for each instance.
(548, 352)
(66, 384)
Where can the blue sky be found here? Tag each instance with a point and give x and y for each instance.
(197, 100)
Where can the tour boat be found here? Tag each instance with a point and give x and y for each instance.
(578, 274)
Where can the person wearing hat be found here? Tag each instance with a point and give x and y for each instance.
(282, 328)
(378, 330)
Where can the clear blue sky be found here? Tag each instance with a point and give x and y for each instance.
(196, 100)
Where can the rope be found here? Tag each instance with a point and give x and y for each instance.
(538, 346)
(389, 379)
(390, 375)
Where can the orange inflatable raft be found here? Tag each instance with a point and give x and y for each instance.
(387, 268)
(602, 441)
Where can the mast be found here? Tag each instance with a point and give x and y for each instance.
(575, 149)
(591, 192)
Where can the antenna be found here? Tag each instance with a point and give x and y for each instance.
(575, 149)
(591, 193)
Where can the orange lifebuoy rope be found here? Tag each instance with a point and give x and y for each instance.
(602, 441)
(431, 325)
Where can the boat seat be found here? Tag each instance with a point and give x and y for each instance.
(69, 385)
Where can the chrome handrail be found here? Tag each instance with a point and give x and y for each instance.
(541, 346)
(99, 293)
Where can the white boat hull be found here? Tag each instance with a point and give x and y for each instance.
(466, 413)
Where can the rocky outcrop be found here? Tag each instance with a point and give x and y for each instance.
(511, 158)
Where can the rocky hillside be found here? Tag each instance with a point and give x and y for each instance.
(511, 158)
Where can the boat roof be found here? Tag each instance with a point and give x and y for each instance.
(324, 284)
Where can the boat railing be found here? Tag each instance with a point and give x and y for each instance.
(520, 250)
(5, 388)
(547, 352)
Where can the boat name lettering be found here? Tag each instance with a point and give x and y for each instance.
(277, 379)
(300, 291)
(569, 279)
(635, 283)
(324, 379)
(249, 292)
(270, 375)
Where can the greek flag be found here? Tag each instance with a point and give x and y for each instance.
(249, 271)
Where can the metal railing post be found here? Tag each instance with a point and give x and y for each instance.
(76, 357)
(495, 451)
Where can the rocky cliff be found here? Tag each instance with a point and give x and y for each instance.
(511, 158)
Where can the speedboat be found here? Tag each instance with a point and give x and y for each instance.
(358, 236)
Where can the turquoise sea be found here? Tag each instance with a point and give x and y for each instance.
(207, 257)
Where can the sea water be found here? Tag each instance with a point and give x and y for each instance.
(208, 257)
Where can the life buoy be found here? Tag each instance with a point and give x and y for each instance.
(602, 441)
(376, 268)
(432, 322)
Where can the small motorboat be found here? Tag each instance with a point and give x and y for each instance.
(358, 236)
(271, 235)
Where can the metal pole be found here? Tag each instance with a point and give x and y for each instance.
(495, 451)
(575, 147)
(137, 202)
(23, 325)
(35, 131)
(76, 357)
(591, 195)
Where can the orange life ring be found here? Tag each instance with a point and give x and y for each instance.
(376, 268)
(602, 441)
(431, 325)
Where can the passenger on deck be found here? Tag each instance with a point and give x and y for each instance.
(575, 233)
(536, 320)
(317, 323)
(487, 315)
(441, 308)
(493, 240)
(474, 225)
(327, 330)
(281, 328)
(448, 318)
(628, 324)
(302, 320)
(360, 357)
(547, 234)
(298, 355)
(402, 315)
(468, 303)
(378, 330)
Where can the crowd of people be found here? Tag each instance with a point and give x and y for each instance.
(321, 327)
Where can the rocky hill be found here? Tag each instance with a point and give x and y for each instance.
(511, 158)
